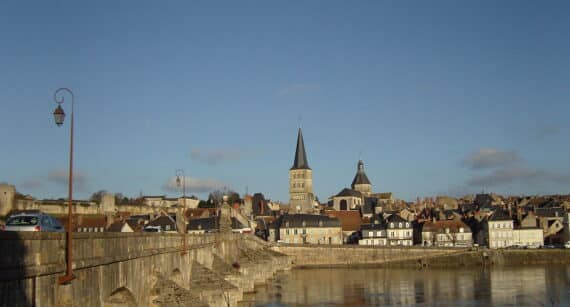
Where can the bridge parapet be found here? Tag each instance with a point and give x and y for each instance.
(115, 267)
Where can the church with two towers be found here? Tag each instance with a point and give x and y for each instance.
(302, 198)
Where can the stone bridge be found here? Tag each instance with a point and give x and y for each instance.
(134, 269)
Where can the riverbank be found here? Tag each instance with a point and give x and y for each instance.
(320, 256)
(482, 258)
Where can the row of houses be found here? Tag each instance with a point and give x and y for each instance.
(498, 230)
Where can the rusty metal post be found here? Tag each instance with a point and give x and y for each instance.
(68, 277)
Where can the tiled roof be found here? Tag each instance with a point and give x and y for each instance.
(500, 215)
(346, 192)
(349, 220)
(163, 221)
(305, 220)
(209, 223)
(549, 212)
(395, 218)
(373, 226)
(85, 221)
(440, 226)
(370, 204)
(115, 227)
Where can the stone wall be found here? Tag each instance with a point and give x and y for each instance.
(133, 269)
(351, 255)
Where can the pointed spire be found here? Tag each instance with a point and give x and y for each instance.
(300, 154)
(360, 177)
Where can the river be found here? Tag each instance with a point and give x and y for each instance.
(534, 285)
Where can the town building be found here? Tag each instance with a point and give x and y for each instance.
(347, 199)
(447, 233)
(166, 223)
(350, 222)
(124, 226)
(86, 223)
(306, 229)
(374, 234)
(551, 220)
(500, 230)
(212, 223)
(301, 197)
(399, 231)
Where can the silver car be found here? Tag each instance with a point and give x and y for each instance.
(33, 222)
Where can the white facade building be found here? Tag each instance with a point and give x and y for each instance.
(500, 230)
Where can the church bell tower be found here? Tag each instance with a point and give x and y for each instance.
(301, 180)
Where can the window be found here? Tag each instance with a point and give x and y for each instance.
(400, 225)
(407, 225)
(304, 231)
(391, 225)
(287, 231)
(379, 233)
(295, 230)
(167, 227)
(461, 229)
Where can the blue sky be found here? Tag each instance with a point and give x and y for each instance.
(439, 97)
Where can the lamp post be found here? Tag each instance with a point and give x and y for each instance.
(180, 172)
(59, 116)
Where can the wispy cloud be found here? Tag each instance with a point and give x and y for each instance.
(32, 184)
(545, 130)
(215, 156)
(518, 175)
(297, 88)
(196, 185)
(489, 158)
(61, 177)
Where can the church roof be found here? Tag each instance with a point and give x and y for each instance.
(300, 154)
(348, 192)
(360, 177)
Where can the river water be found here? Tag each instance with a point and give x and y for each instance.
(535, 285)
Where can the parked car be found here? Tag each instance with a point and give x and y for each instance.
(152, 229)
(36, 221)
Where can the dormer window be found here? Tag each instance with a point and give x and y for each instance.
(304, 223)
(407, 225)
(461, 229)
(320, 223)
(400, 225)
(391, 225)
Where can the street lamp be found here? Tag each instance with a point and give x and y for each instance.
(59, 116)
